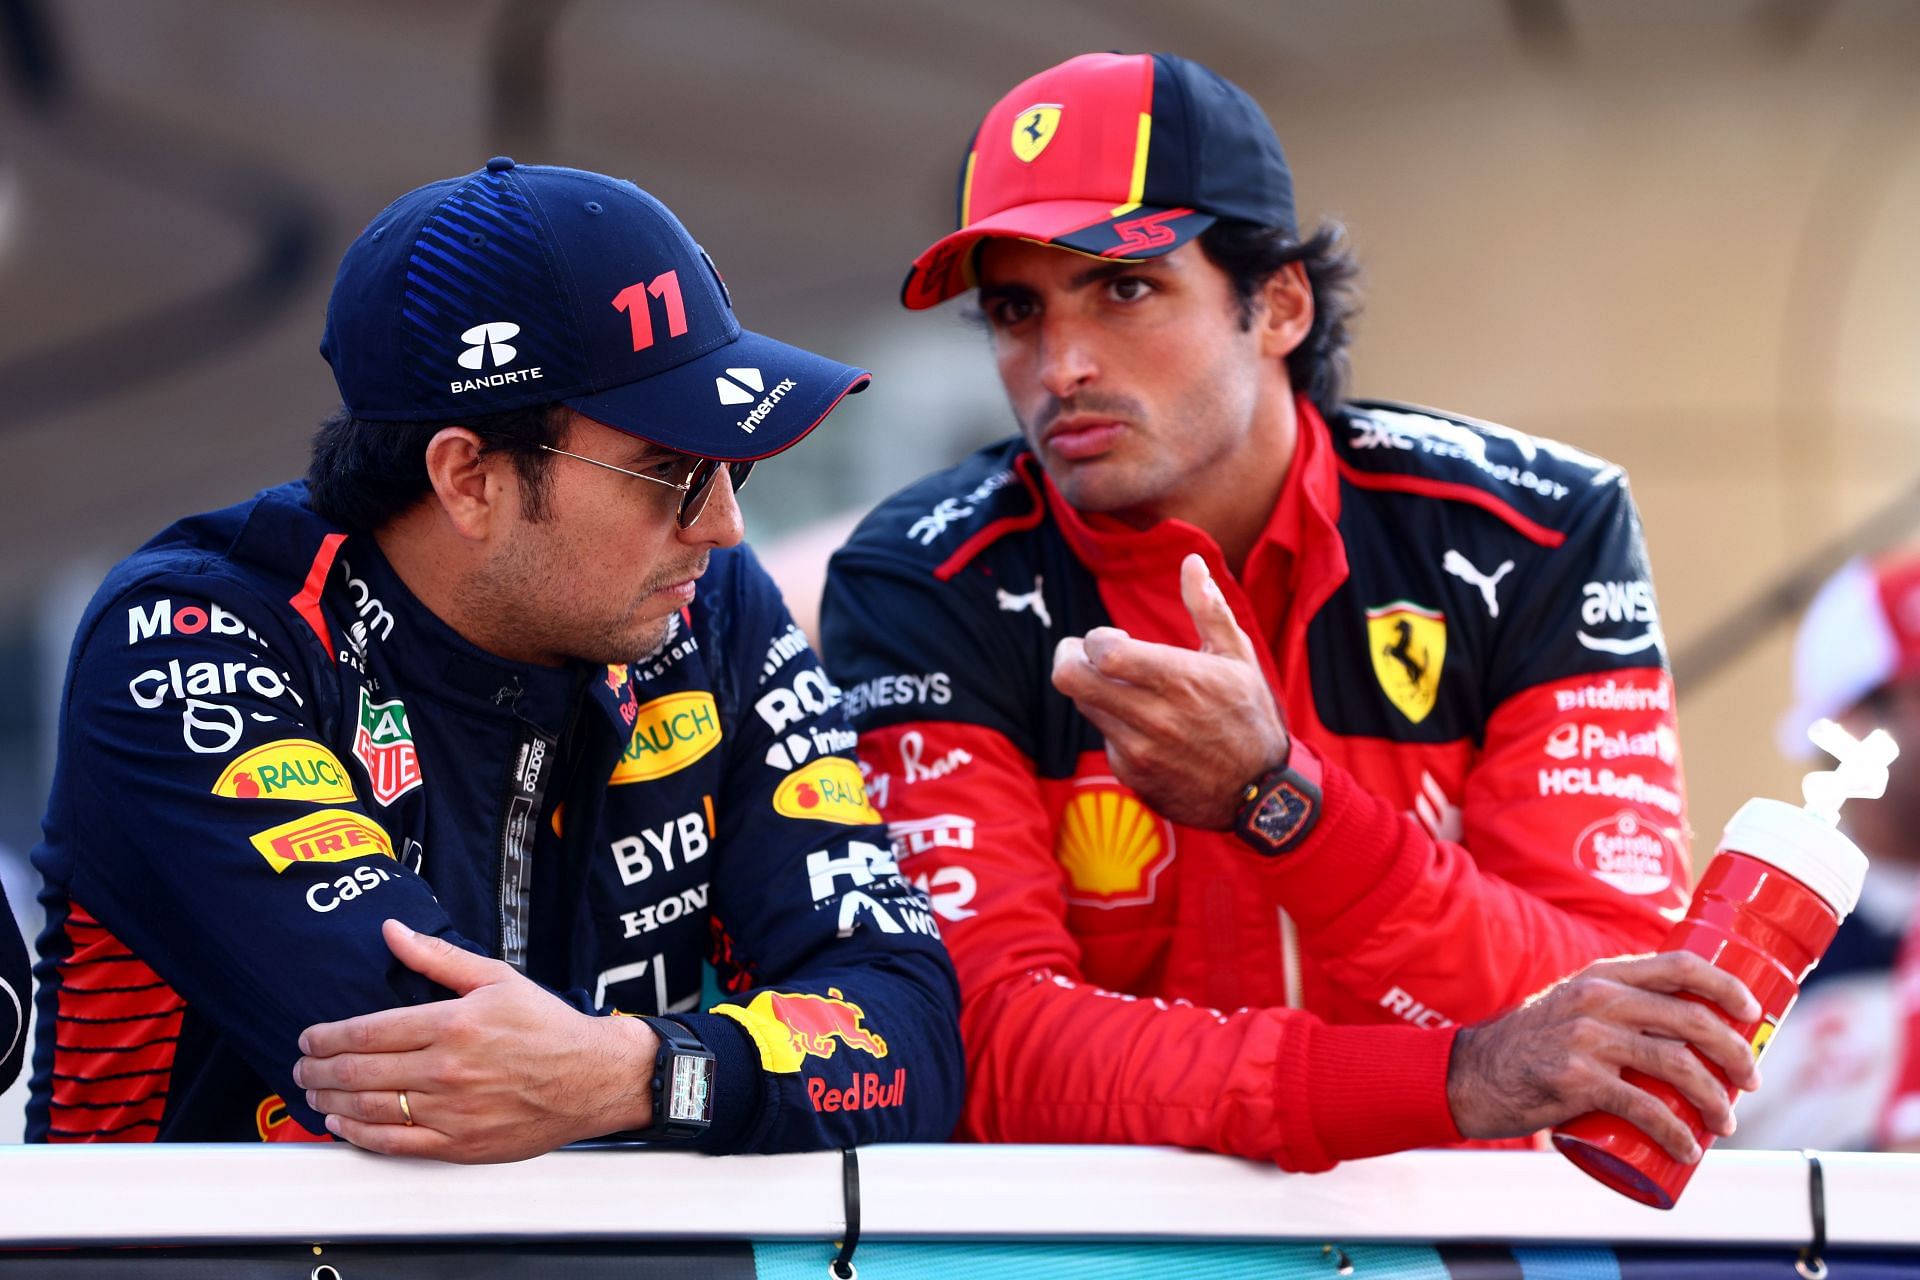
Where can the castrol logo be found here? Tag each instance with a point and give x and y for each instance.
(1627, 852)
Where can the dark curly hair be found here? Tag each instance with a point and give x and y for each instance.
(363, 474)
(1250, 254)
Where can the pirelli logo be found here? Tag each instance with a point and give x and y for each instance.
(332, 835)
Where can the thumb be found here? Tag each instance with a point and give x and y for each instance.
(455, 968)
(1212, 615)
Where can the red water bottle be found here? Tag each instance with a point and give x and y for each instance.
(1768, 904)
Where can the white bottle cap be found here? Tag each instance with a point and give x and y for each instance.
(1801, 844)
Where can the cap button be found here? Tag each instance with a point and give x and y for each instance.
(499, 164)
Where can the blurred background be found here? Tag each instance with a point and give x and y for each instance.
(1679, 236)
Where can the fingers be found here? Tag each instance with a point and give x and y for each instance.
(1212, 615)
(454, 968)
(387, 1031)
(1679, 1066)
(372, 1106)
(361, 1072)
(396, 1139)
(1676, 971)
(1649, 1115)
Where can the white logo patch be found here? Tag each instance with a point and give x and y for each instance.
(1464, 569)
(489, 338)
(1032, 600)
(745, 384)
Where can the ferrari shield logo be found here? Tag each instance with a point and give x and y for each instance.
(1409, 644)
(1034, 128)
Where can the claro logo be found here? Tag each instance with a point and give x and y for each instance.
(669, 734)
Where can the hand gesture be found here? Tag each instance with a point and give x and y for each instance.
(1186, 730)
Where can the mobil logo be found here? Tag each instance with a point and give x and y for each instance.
(383, 744)
(790, 1027)
(669, 734)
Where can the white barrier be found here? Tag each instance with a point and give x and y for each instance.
(177, 1194)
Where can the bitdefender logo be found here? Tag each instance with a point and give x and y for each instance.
(739, 386)
(488, 345)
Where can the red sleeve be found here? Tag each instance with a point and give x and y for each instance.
(1052, 1059)
(1571, 846)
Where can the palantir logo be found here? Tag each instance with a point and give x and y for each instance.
(740, 386)
(490, 337)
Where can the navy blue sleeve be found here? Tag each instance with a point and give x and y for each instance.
(14, 987)
(833, 963)
(215, 824)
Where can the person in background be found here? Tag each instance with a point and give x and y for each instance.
(1271, 757)
(1839, 1080)
(379, 793)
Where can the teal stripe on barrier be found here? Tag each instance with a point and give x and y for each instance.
(894, 1260)
(1567, 1264)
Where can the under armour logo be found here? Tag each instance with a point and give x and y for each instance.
(489, 337)
(733, 388)
(1461, 567)
(1032, 600)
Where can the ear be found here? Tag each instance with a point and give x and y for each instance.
(1285, 313)
(466, 481)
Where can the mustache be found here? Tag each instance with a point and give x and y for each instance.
(1055, 408)
(693, 569)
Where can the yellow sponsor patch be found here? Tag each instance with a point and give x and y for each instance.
(1111, 846)
(290, 769)
(1762, 1034)
(1033, 129)
(1409, 644)
(830, 789)
(332, 835)
(669, 734)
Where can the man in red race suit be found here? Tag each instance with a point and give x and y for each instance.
(1259, 749)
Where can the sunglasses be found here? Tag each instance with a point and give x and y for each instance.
(695, 482)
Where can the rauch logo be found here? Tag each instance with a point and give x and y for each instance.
(290, 769)
(669, 734)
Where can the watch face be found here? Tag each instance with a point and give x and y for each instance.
(689, 1095)
(1282, 812)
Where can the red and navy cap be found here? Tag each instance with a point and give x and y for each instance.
(1114, 155)
(523, 285)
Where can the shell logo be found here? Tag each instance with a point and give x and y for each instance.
(1112, 846)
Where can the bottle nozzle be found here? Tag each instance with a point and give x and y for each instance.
(1861, 774)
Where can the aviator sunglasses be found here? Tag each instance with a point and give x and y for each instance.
(695, 485)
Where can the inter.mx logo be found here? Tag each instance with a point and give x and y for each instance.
(489, 339)
(740, 386)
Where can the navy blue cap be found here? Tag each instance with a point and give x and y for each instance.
(523, 285)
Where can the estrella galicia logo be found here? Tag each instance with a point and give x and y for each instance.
(489, 339)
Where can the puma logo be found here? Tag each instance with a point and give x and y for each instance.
(1461, 567)
(1031, 600)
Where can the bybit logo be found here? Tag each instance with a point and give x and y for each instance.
(490, 337)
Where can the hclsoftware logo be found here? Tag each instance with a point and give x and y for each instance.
(490, 338)
(740, 386)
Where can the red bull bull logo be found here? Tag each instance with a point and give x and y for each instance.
(790, 1027)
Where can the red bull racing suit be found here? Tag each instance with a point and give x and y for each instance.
(1458, 624)
(268, 746)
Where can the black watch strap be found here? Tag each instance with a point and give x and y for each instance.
(1280, 808)
(682, 1084)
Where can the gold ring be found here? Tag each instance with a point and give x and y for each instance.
(406, 1112)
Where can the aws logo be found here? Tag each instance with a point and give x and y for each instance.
(290, 769)
(830, 789)
(669, 734)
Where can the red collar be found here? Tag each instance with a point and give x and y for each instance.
(1301, 539)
